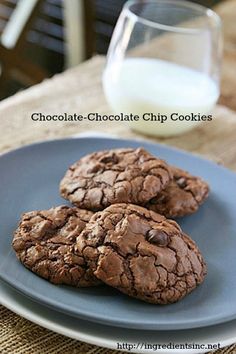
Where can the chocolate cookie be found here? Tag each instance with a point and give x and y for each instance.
(44, 242)
(108, 177)
(142, 254)
(182, 196)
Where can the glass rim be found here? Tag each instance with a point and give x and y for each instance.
(207, 12)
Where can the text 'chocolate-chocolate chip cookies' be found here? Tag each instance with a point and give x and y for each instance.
(117, 232)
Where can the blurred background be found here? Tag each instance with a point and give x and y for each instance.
(39, 38)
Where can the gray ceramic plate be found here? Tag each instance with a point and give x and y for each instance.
(29, 179)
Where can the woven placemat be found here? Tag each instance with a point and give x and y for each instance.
(20, 336)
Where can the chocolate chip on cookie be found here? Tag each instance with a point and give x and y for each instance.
(108, 177)
(44, 242)
(142, 254)
(183, 196)
(158, 237)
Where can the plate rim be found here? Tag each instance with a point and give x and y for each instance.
(141, 141)
(76, 334)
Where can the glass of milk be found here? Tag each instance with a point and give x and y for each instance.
(163, 65)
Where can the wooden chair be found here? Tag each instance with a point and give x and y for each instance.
(13, 63)
(40, 18)
(79, 32)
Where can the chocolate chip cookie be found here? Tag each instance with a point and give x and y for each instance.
(181, 197)
(142, 254)
(108, 177)
(44, 242)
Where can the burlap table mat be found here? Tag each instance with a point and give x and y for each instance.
(79, 90)
(20, 336)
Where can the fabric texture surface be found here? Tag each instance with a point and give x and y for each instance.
(20, 336)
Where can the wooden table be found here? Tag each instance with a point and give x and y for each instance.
(79, 90)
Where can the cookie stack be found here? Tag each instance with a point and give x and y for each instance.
(117, 232)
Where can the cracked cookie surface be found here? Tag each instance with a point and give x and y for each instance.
(44, 242)
(183, 196)
(142, 254)
(114, 176)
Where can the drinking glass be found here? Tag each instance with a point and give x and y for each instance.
(163, 64)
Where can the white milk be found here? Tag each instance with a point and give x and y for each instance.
(140, 85)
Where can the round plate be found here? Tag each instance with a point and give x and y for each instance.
(108, 336)
(29, 180)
